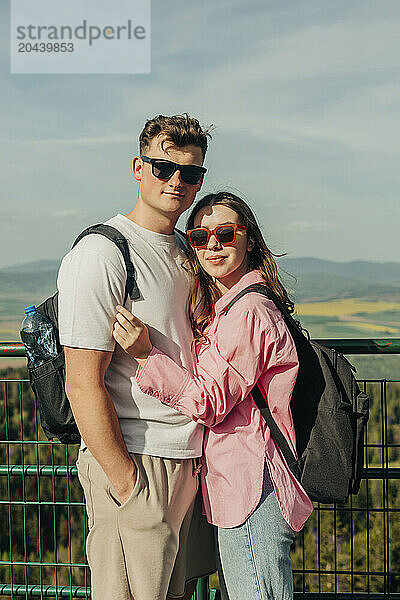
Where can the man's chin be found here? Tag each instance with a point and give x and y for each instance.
(174, 207)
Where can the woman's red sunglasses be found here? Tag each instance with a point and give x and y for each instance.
(225, 234)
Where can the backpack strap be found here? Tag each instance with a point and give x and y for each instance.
(115, 236)
(182, 241)
(263, 289)
(258, 398)
(276, 433)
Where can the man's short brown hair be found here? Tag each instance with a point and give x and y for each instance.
(181, 130)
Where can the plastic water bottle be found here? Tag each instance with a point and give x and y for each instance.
(37, 334)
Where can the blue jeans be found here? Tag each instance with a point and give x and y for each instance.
(254, 557)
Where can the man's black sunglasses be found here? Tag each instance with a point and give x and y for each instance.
(164, 169)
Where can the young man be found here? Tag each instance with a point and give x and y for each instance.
(138, 460)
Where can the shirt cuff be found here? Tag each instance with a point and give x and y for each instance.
(162, 378)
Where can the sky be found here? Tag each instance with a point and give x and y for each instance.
(304, 97)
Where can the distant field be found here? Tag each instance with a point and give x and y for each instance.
(350, 318)
(350, 306)
(374, 327)
(12, 313)
(9, 331)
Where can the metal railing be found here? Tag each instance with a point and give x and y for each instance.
(345, 551)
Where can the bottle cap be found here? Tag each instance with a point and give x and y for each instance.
(30, 309)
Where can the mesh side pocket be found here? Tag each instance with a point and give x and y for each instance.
(48, 384)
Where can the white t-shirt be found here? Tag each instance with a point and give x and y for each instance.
(91, 282)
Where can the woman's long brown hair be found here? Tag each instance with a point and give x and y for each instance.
(204, 292)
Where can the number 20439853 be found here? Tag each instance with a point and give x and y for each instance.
(46, 47)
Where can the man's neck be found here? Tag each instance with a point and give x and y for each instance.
(153, 221)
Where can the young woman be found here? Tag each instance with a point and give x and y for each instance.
(249, 493)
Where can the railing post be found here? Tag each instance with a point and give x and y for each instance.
(202, 589)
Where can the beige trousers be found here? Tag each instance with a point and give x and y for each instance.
(156, 541)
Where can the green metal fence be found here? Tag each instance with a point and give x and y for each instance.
(345, 551)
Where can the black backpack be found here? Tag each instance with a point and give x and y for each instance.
(329, 414)
(48, 380)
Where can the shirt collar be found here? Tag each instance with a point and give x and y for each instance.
(248, 279)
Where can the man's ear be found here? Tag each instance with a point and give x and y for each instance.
(137, 167)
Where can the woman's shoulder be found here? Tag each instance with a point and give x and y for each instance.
(255, 302)
(253, 322)
(254, 307)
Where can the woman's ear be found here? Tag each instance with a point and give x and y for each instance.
(250, 245)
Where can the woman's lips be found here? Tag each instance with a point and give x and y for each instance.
(174, 194)
(216, 259)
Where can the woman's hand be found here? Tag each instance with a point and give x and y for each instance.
(132, 334)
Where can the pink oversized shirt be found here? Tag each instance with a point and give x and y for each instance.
(251, 343)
